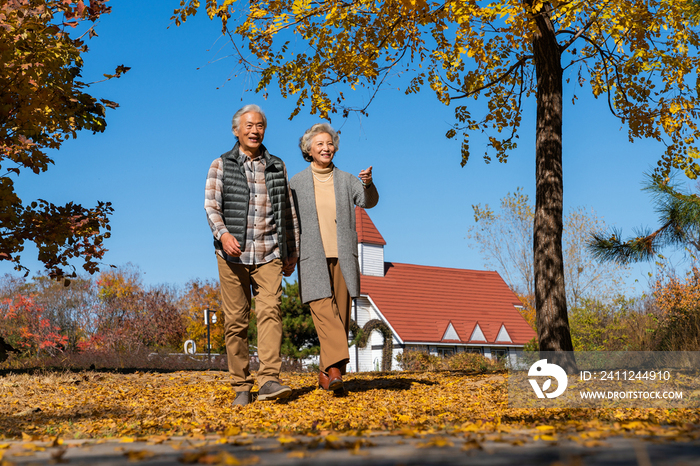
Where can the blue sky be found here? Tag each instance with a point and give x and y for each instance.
(175, 114)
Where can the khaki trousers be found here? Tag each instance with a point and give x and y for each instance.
(265, 280)
(332, 320)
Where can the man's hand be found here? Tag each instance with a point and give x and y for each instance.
(289, 265)
(230, 245)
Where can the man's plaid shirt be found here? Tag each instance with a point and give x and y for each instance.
(261, 234)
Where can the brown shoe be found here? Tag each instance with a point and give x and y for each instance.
(335, 379)
(324, 383)
(323, 380)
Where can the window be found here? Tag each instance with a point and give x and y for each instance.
(499, 353)
(445, 351)
(472, 349)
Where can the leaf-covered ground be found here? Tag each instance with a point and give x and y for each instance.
(149, 405)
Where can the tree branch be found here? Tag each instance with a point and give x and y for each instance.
(514, 67)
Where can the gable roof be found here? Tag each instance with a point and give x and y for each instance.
(450, 333)
(366, 231)
(420, 302)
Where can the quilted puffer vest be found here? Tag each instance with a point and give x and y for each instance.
(236, 196)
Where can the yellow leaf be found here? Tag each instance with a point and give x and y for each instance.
(471, 428)
(230, 460)
(232, 430)
(158, 439)
(32, 447)
(139, 455)
(439, 442)
(284, 440)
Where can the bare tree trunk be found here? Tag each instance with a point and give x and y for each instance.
(550, 294)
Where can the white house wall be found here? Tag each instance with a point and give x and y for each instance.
(363, 314)
(370, 358)
(365, 311)
(371, 258)
(396, 352)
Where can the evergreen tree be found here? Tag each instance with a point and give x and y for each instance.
(679, 216)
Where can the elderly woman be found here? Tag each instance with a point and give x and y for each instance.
(329, 274)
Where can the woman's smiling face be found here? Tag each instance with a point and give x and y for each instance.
(322, 150)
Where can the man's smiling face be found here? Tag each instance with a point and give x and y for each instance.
(250, 133)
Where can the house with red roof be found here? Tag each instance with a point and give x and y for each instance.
(434, 309)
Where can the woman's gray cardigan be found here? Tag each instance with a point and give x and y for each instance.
(314, 281)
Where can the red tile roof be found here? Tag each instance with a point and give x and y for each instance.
(420, 302)
(366, 231)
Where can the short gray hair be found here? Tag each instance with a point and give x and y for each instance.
(318, 128)
(251, 108)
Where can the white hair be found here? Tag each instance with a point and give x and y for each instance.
(251, 108)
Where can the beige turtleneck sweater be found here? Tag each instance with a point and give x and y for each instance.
(325, 208)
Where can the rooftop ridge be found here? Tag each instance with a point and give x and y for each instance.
(366, 230)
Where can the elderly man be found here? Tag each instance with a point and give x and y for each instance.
(256, 237)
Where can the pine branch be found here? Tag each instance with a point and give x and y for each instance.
(679, 215)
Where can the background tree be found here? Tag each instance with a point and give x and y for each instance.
(679, 216)
(640, 56)
(26, 327)
(504, 239)
(69, 310)
(132, 317)
(42, 104)
(73, 309)
(604, 325)
(678, 300)
(198, 296)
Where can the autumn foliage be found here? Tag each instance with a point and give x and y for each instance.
(113, 314)
(678, 301)
(25, 326)
(198, 297)
(43, 103)
(467, 408)
(133, 317)
(116, 320)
